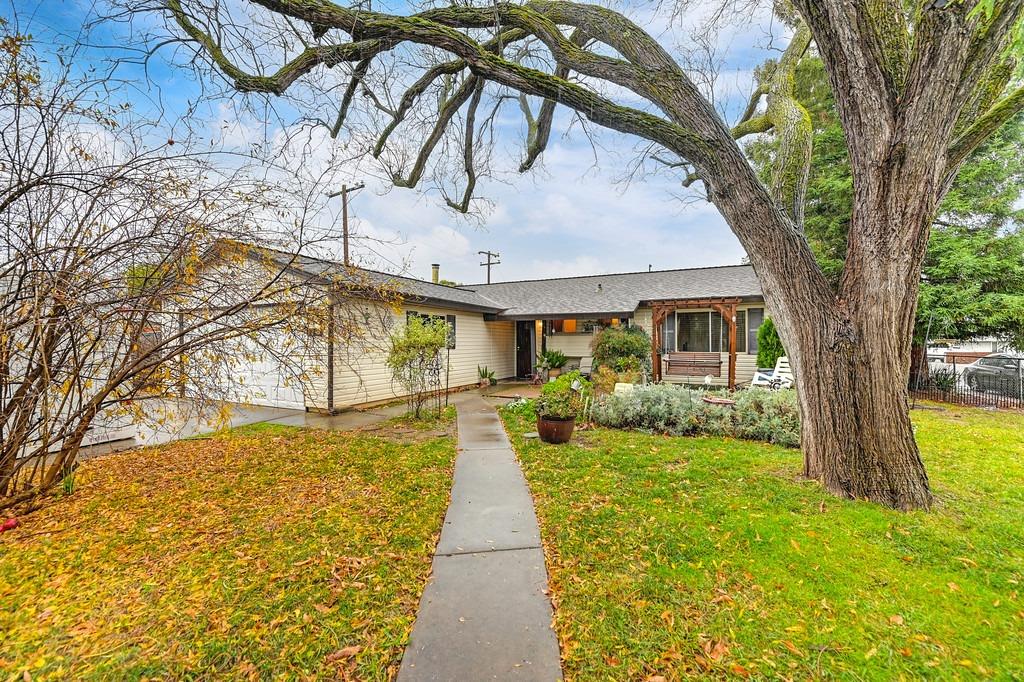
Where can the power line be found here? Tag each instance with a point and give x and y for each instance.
(343, 193)
(490, 255)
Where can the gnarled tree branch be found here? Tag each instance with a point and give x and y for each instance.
(468, 147)
(277, 83)
(1001, 112)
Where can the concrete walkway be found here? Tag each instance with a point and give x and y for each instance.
(484, 614)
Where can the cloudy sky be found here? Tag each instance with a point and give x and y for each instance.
(576, 213)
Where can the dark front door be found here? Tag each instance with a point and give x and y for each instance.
(524, 347)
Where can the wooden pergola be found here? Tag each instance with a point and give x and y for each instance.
(726, 307)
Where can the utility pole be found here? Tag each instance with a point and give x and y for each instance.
(343, 193)
(490, 262)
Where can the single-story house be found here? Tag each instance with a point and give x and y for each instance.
(714, 312)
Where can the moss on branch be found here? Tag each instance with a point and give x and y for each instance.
(1001, 112)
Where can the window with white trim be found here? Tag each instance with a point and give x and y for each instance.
(449, 321)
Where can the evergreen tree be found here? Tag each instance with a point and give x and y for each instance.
(972, 280)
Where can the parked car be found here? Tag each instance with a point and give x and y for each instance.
(998, 372)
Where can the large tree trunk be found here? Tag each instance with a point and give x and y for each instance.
(856, 434)
(852, 364)
(851, 360)
(850, 349)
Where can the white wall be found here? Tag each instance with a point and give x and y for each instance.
(362, 375)
(573, 345)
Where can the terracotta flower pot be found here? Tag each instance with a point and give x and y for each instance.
(555, 431)
(554, 372)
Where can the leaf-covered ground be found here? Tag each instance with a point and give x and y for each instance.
(680, 557)
(266, 552)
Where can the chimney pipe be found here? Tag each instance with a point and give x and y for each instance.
(435, 272)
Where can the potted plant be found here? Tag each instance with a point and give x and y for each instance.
(553, 361)
(558, 406)
(486, 376)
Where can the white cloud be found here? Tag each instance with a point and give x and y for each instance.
(233, 130)
(578, 265)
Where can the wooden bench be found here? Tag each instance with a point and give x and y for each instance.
(691, 364)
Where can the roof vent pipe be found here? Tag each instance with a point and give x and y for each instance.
(435, 272)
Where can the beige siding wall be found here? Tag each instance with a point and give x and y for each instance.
(573, 345)
(642, 318)
(746, 362)
(362, 375)
(316, 382)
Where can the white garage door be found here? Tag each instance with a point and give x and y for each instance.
(266, 382)
(267, 378)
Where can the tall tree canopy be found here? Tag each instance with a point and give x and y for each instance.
(918, 87)
(972, 280)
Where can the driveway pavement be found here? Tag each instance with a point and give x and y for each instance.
(186, 421)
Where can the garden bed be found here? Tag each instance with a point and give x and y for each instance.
(753, 414)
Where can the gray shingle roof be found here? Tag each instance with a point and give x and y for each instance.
(590, 295)
(617, 293)
(412, 289)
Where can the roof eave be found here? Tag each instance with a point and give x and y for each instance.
(743, 298)
(569, 315)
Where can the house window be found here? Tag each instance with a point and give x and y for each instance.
(449, 321)
(708, 332)
(720, 332)
(668, 333)
(755, 316)
(694, 332)
(591, 326)
(579, 326)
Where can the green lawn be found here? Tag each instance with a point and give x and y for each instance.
(679, 557)
(266, 552)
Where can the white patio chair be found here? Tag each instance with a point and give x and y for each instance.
(586, 365)
(780, 377)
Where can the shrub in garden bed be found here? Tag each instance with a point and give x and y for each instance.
(758, 414)
(605, 378)
(560, 400)
(623, 350)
